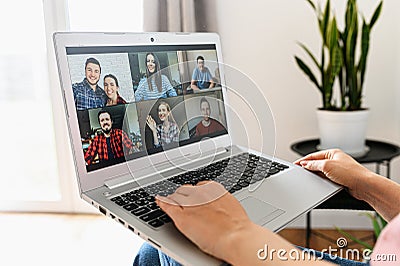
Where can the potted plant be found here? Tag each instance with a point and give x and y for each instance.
(342, 120)
(378, 224)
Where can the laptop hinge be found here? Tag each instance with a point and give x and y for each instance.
(119, 181)
(140, 174)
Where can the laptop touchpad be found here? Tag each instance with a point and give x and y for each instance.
(259, 211)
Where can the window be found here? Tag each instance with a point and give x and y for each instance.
(31, 176)
(105, 15)
(28, 146)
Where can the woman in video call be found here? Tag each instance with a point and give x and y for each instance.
(111, 88)
(154, 85)
(166, 132)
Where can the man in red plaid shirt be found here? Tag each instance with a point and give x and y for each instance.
(111, 144)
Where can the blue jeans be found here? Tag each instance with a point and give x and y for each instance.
(148, 255)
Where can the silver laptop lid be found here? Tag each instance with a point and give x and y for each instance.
(111, 128)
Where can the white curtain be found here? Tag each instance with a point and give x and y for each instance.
(179, 15)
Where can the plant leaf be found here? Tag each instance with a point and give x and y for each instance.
(375, 223)
(355, 239)
(308, 72)
(383, 221)
(310, 54)
(312, 5)
(376, 14)
(365, 33)
(325, 20)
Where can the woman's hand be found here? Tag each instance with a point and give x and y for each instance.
(151, 123)
(206, 214)
(338, 167)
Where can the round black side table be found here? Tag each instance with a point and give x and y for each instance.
(381, 153)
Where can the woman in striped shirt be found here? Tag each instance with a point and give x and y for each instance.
(154, 85)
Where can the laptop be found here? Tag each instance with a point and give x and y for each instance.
(131, 140)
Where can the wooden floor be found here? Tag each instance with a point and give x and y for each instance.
(323, 239)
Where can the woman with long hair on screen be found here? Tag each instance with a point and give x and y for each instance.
(154, 85)
(111, 88)
(168, 131)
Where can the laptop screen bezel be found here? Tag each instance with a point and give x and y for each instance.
(90, 180)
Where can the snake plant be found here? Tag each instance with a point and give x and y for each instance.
(353, 71)
(338, 56)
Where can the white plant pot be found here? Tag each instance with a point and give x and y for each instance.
(344, 130)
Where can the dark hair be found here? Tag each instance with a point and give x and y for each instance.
(93, 61)
(199, 57)
(113, 77)
(204, 100)
(156, 75)
(104, 111)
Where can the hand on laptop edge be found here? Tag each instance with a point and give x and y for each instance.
(220, 226)
(376, 190)
(336, 166)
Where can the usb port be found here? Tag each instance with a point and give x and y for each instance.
(131, 228)
(122, 222)
(112, 215)
(102, 210)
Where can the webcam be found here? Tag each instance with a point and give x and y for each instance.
(152, 39)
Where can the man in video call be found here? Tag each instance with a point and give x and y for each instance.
(88, 94)
(201, 77)
(111, 144)
(208, 125)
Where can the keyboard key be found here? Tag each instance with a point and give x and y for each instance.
(153, 206)
(156, 223)
(273, 171)
(234, 189)
(140, 211)
(122, 202)
(165, 218)
(141, 202)
(243, 183)
(131, 198)
(152, 215)
(283, 166)
(130, 206)
(237, 187)
(116, 198)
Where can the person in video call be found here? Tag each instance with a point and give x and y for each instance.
(154, 85)
(111, 144)
(216, 222)
(111, 88)
(167, 132)
(201, 77)
(208, 125)
(88, 94)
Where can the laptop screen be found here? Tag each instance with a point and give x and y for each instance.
(133, 101)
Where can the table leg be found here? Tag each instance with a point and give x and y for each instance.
(308, 229)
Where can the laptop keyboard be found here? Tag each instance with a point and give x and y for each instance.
(234, 174)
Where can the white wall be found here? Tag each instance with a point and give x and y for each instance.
(259, 37)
